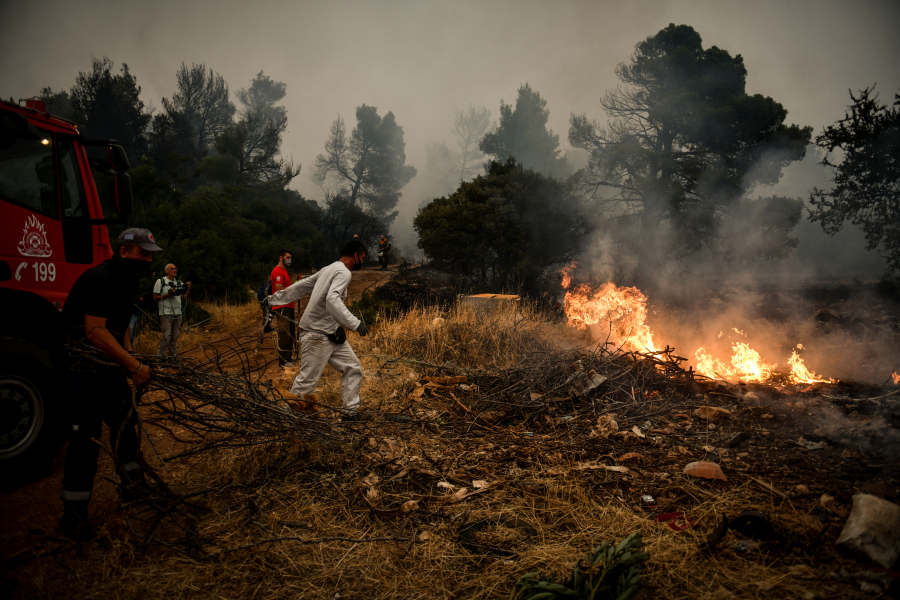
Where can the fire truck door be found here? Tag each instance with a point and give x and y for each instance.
(77, 239)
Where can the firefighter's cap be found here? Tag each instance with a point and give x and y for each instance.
(141, 237)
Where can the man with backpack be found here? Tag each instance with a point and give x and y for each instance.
(285, 312)
(168, 292)
(324, 341)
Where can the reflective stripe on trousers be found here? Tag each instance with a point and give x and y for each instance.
(94, 398)
(75, 496)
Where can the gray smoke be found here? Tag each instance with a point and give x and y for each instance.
(869, 434)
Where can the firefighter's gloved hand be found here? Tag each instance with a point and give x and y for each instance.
(362, 329)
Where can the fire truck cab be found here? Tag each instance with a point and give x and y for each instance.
(52, 229)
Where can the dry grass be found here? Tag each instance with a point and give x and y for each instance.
(225, 319)
(283, 491)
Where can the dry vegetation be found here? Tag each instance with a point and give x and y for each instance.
(267, 521)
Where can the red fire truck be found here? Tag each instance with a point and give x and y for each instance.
(52, 229)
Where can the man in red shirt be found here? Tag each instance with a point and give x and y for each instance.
(285, 313)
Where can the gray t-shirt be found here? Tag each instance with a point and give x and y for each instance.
(328, 291)
(171, 306)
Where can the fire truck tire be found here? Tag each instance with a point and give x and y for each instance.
(30, 428)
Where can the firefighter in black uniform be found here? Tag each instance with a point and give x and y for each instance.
(98, 312)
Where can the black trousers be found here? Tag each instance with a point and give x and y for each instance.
(383, 259)
(286, 334)
(94, 398)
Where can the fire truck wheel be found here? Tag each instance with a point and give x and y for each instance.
(30, 433)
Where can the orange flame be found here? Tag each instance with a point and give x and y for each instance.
(896, 377)
(567, 275)
(747, 365)
(799, 372)
(623, 308)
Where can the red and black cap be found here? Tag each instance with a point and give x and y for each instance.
(141, 237)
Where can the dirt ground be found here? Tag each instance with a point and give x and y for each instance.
(34, 509)
(507, 475)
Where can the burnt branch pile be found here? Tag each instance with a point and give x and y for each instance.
(222, 402)
(218, 404)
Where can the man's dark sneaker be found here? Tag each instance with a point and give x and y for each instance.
(74, 523)
(353, 417)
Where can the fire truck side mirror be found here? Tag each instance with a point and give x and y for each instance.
(117, 158)
(123, 194)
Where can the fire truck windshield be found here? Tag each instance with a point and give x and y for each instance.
(27, 176)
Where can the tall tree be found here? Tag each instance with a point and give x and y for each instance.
(109, 106)
(59, 104)
(469, 129)
(199, 109)
(523, 134)
(867, 181)
(505, 228)
(224, 237)
(371, 163)
(341, 220)
(440, 172)
(255, 140)
(684, 139)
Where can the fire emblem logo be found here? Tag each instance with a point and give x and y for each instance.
(34, 241)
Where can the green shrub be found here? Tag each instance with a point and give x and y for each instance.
(370, 308)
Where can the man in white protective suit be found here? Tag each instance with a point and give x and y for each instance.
(323, 340)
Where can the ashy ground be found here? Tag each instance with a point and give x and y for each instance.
(498, 442)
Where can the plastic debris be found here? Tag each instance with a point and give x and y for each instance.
(581, 383)
(713, 413)
(677, 521)
(810, 445)
(705, 469)
(872, 531)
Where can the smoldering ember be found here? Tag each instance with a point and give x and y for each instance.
(412, 343)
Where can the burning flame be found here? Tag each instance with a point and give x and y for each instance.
(799, 372)
(896, 377)
(567, 275)
(747, 365)
(623, 308)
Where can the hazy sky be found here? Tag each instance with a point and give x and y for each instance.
(422, 60)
